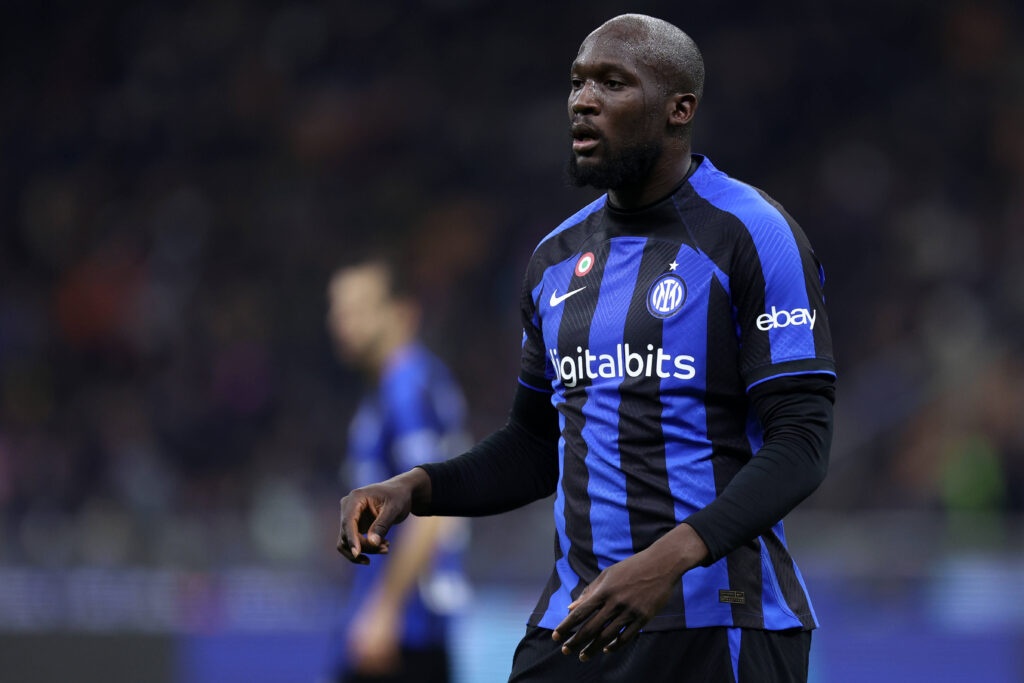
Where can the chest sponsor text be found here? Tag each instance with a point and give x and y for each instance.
(625, 362)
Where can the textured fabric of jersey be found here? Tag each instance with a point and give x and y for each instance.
(648, 327)
(415, 415)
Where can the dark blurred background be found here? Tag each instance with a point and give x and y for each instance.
(178, 180)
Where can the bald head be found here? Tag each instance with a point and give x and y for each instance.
(665, 49)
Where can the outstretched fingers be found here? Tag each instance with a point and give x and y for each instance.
(627, 635)
(611, 630)
(591, 630)
(579, 611)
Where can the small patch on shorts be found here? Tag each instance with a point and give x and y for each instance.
(732, 597)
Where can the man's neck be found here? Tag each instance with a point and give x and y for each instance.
(666, 175)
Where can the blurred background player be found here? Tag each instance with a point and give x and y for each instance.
(394, 624)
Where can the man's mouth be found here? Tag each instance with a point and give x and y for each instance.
(584, 144)
(584, 137)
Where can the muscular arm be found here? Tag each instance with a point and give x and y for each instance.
(516, 465)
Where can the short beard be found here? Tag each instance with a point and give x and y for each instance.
(630, 166)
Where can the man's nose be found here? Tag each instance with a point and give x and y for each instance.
(585, 100)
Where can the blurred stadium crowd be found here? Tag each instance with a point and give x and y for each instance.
(179, 180)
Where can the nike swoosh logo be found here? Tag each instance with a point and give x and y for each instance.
(555, 300)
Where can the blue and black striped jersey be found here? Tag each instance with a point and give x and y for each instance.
(648, 327)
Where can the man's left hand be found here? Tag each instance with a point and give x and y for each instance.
(626, 595)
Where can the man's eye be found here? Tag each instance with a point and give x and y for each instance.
(613, 84)
(577, 83)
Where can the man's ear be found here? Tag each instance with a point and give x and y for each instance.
(682, 107)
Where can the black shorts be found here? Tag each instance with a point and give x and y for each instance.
(699, 655)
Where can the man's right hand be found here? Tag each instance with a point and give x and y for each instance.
(368, 513)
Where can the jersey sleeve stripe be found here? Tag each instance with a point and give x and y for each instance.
(817, 366)
(528, 385)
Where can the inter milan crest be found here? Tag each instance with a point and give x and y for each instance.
(666, 296)
(585, 263)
